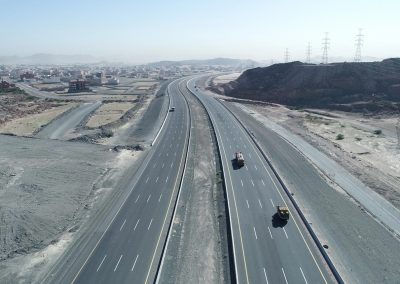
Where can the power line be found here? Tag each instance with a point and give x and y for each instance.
(359, 43)
(308, 58)
(325, 47)
(287, 55)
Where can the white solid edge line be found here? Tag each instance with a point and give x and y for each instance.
(166, 116)
(150, 155)
(234, 199)
(277, 189)
(170, 201)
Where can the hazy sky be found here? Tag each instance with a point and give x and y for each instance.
(141, 31)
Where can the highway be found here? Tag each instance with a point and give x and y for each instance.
(128, 250)
(266, 250)
(67, 122)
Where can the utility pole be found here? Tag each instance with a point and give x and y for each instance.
(359, 43)
(286, 55)
(325, 47)
(308, 58)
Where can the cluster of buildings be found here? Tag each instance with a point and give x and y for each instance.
(78, 78)
(6, 85)
(75, 78)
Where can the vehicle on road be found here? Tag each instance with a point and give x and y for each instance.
(172, 109)
(239, 159)
(283, 212)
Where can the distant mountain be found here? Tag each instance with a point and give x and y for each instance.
(215, 61)
(365, 86)
(48, 59)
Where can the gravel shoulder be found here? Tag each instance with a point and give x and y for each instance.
(197, 250)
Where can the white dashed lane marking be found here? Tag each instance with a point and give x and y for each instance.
(98, 268)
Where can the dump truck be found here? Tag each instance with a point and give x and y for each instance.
(283, 212)
(239, 159)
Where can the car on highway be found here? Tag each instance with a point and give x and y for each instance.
(172, 109)
(239, 159)
(283, 212)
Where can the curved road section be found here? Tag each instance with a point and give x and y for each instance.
(266, 250)
(67, 122)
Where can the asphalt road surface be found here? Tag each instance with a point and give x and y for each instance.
(128, 249)
(35, 92)
(266, 249)
(67, 122)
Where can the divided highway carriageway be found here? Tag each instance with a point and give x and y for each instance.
(129, 250)
(266, 250)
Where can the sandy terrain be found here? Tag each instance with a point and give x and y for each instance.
(51, 87)
(29, 124)
(127, 89)
(44, 202)
(223, 79)
(108, 113)
(372, 157)
(197, 250)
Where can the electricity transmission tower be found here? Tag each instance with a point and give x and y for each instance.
(359, 43)
(286, 55)
(308, 58)
(325, 47)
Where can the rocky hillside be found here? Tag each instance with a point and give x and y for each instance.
(367, 86)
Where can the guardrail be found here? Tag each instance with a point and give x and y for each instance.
(288, 193)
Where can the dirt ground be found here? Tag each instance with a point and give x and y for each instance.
(369, 148)
(197, 251)
(43, 202)
(28, 124)
(108, 113)
(223, 79)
